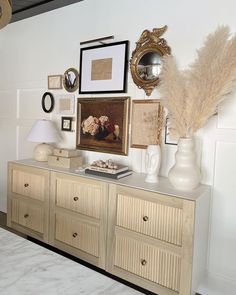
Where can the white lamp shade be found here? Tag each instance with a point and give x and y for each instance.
(43, 131)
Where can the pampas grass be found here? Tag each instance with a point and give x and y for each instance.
(192, 96)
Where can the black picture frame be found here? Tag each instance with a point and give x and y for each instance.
(50, 107)
(103, 68)
(66, 123)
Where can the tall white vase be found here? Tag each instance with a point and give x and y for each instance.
(185, 174)
(153, 162)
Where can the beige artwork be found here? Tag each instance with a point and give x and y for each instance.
(54, 82)
(146, 122)
(64, 104)
(101, 69)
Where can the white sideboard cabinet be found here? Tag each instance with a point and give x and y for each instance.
(148, 234)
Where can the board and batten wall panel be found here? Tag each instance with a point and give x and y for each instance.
(29, 104)
(223, 242)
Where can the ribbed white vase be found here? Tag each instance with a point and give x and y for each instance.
(185, 174)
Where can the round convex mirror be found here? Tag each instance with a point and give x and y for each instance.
(149, 66)
(146, 60)
(48, 102)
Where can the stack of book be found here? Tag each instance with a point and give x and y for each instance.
(119, 172)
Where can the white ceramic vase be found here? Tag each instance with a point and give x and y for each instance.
(185, 174)
(153, 163)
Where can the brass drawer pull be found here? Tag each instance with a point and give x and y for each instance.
(26, 185)
(26, 215)
(75, 235)
(145, 218)
(76, 199)
(143, 262)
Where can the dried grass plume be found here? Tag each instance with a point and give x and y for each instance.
(192, 96)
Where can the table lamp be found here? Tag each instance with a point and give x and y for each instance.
(45, 132)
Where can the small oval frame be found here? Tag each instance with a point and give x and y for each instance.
(71, 85)
(52, 102)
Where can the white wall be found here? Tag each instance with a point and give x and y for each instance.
(34, 48)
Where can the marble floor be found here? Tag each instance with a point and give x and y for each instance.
(27, 268)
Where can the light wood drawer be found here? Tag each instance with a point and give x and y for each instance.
(158, 220)
(149, 262)
(78, 234)
(79, 196)
(29, 184)
(27, 215)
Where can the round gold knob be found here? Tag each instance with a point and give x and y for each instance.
(58, 158)
(75, 235)
(143, 262)
(26, 185)
(145, 218)
(76, 199)
(26, 215)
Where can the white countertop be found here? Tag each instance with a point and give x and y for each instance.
(29, 269)
(136, 180)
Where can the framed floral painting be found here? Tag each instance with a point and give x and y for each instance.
(102, 125)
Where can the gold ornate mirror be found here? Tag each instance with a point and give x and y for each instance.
(145, 63)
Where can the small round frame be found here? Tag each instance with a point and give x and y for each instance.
(145, 63)
(71, 80)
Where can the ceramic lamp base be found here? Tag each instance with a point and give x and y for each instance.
(42, 151)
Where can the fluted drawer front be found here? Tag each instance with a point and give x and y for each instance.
(27, 215)
(80, 197)
(78, 234)
(149, 262)
(153, 219)
(28, 184)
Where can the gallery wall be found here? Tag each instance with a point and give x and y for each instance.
(48, 44)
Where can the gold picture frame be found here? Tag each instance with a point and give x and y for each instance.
(102, 124)
(146, 59)
(147, 123)
(55, 82)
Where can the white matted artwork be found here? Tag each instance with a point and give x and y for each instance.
(147, 122)
(65, 104)
(103, 68)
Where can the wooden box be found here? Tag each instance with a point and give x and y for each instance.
(64, 162)
(67, 153)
